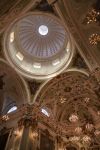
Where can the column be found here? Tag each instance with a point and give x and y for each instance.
(29, 135)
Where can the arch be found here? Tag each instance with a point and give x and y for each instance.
(14, 89)
(66, 94)
(50, 80)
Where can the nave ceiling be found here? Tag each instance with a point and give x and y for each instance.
(71, 93)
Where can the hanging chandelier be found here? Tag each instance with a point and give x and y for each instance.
(89, 127)
(73, 118)
(92, 16)
(86, 139)
(74, 138)
(78, 130)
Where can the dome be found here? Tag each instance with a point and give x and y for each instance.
(38, 45)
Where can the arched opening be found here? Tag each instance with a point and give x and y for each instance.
(13, 91)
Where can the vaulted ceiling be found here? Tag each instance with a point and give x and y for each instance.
(76, 15)
(75, 91)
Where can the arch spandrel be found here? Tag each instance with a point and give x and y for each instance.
(13, 88)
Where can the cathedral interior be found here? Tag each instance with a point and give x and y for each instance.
(50, 75)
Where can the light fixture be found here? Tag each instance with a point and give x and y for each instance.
(94, 39)
(74, 139)
(12, 109)
(35, 134)
(73, 118)
(86, 138)
(87, 99)
(43, 30)
(62, 100)
(78, 130)
(92, 16)
(89, 127)
(17, 132)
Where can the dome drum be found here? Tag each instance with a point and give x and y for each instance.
(38, 45)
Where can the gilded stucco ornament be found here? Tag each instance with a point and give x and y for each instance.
(94, 39)
(80, 103)
(92, 16)
(73, 22)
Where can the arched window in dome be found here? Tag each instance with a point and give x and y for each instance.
(12, 109)
(9, 105)
(45, 111)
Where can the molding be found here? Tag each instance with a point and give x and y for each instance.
(64, 10)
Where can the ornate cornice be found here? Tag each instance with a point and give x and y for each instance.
(65, 11)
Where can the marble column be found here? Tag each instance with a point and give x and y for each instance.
(28, 139)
